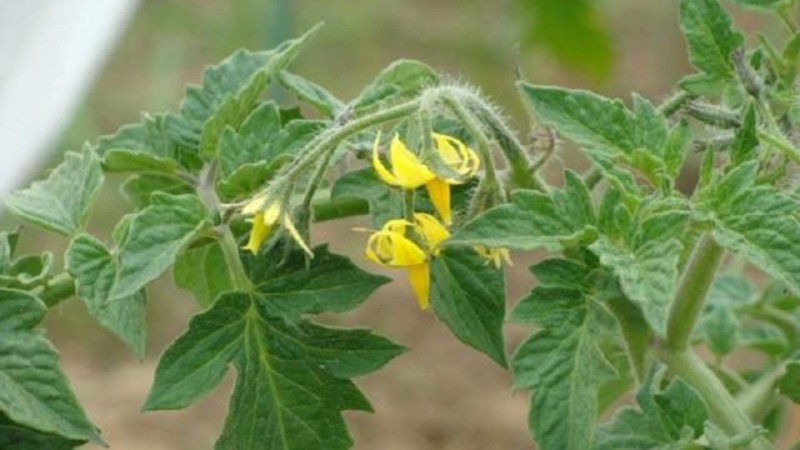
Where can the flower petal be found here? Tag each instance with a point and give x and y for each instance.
(383, 173)
(409, 170)
(258, 234)
(420, 278)
(393, 249)
(255, 205)
(432, 231)
(439, 193)
(289, 225)
(457, 155)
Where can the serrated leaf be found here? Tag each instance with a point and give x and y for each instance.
(150, 144)
(28, 271)
(322, 100)
(745, 141)
(789, 383)
(33, 390)
(468, 295)
(230, 90)
(645, 259)
(140, 187)
(759, 223)
(328, 283)
(262, 146)
(154, 238)
(666, 420)
(18, 437)
(402, 78)
(61, 202)
(94, 270)
(710, 36)
(677, 148)
(203, 271)
(384, 203)
(562, 363)
(535, 220)
(719, 326)
(291, 385)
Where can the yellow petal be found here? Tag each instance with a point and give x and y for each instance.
(406, 167)
(457, 155)
(383, 173)
(439, 193)
(289, 225)
(258, 234)
(272, 213)
(496, 256)
(393, 249)
(432, 231)
(420, 278)
(255, 205)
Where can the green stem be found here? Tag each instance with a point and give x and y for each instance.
(408, 205)
(56, 290)
(592, 177)
(674, 103)
(694, 285)
(230, 249)
(758, 398)
(722, 406)
(782, 144)
(635, 332)
(325, 210)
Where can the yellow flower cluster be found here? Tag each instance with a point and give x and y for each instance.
(400, 243)
(265, 217)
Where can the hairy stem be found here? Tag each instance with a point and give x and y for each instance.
(635, 332)
(55, 290)
(724, 410)
(760, 397)
(694, 285)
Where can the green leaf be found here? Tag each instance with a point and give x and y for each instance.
(562, 362)
(121, 160)
(402, 78)
(61, 202)
(719, 326)
(28, 271)
(719, 440)
(646, 260)
(292, 374)
(140, 187)
(598, 123)
(759, 223)
(155, 237)
(384, 202)
(573, 32)
(677, 149)
(33, 390)
(789, 383)
(710, 36)
(535, 220)
(317, 96)
(230, 90)
(18, 437)
(203, 271)
(468, 295)
(328, 283)
(745, 141)
(94, 270)
(251, 155)
(666, 420)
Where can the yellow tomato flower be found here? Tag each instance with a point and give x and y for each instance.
(391, 247)
(496, 256)
(265, 219)
(408, 172)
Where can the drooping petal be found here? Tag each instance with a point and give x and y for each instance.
(258, 234)
(439, 193)
(496, 256)
(406, 167)
(432, 231)
(383, 173)
(272, 214)
(393, 249)
(420, 278)
(457, 155)
(255, 205)
(289, 225)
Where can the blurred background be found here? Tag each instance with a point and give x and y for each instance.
(138, 57)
